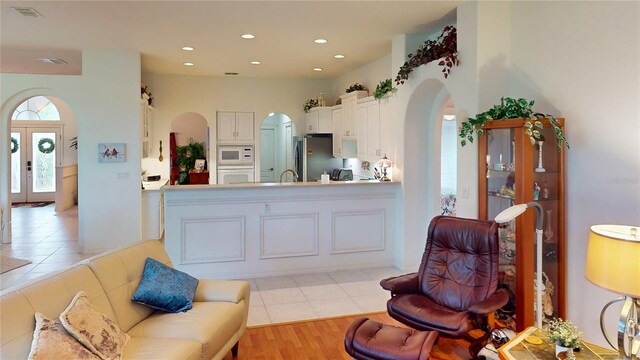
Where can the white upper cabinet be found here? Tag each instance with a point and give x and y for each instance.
(146, 123)
(350, 113)
(373, 128)
(319, 121)
(336, 116)
(235, 126)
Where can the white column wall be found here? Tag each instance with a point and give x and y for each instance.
(105, 99)
(590, 74)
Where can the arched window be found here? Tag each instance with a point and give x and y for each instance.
(36, 108)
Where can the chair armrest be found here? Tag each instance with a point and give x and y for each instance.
(403, 284)
(494, 302)
(222, 290)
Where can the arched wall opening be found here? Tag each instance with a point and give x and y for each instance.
(186, 128)
(67, 193)
(421, 173)
(276, 148)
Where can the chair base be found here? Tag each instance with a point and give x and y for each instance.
(369, 340)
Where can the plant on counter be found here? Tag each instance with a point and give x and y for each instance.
(356, 87)
(385, 87)
(510, 108)
(444, 47)
(310, 104)
(186, 156)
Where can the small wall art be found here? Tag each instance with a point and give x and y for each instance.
(111, 153)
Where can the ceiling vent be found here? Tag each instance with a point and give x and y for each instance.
(27, 11)
(53, 61)
(231, 73)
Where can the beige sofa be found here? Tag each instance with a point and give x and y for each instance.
(208, 331)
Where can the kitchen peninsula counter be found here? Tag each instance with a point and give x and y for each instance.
(267, 229)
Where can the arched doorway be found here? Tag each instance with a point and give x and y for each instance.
(276, 147)
(187, 128)
(422, 158)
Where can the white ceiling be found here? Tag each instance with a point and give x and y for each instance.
(285, 30)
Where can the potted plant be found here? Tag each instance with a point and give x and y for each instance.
(444, 47)
(310, 104)
(356, 87)
(565, 335)
(186, 156)
(510, 108)
(385, 87)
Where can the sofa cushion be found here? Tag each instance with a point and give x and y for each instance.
(52, 342)
(211, 324)
(49, 295)
(166, 349)
(119, 271)
(93, 329)
(165, 288)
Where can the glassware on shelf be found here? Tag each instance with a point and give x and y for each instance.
(545, 192)
(548, 232)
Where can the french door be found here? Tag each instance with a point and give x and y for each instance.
(34, 156)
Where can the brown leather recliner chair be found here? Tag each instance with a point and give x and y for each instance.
(455, 288)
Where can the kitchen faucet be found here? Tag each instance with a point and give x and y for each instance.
(295, 174)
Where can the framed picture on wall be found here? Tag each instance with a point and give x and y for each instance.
(112, 152)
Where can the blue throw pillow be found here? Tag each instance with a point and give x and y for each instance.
(165, 288)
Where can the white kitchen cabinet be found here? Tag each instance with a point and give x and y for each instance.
(350, 114)
(370, 130)
(336, 117)
(153, 210)
(235, 127)
(146, 124)
(319, 120)
(386, 129)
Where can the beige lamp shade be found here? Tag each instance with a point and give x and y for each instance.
(613, 258)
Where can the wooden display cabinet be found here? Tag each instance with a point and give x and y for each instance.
(508, 171)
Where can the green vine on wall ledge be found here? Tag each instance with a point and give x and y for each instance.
(444, 47)
(510, 108)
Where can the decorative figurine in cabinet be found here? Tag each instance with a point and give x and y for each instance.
(513, 171)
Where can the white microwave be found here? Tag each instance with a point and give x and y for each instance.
(235, 155)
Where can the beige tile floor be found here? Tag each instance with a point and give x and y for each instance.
(50, 240)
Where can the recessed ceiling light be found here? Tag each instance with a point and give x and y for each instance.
(320, 41)
(188, 48)
(188, 64)
(271, 114)
(317, 69)
(255, 63)
(248, 36)
(338, 56)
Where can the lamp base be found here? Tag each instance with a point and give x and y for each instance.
(628, 330)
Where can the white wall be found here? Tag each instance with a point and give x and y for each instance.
(105, 99)
(590, 74)
(368, 75)
(175, 94)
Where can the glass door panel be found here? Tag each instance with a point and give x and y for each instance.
(33, 165)
(44, 162)
(18, 153)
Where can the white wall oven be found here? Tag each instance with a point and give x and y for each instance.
(235, 175)
(235, 156)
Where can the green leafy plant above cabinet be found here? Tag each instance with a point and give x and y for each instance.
(510, 108)
(444, 47)
(385, 87)
(356, 87)
(310, 104)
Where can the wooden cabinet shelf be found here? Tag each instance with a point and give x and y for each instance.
(507, 176)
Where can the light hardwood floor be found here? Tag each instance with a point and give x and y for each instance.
(323, 339)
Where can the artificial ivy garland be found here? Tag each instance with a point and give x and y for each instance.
(48, 149)
(14, 145)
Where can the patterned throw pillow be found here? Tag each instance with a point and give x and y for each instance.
(165, 288)
(93, 329)
(52, 342)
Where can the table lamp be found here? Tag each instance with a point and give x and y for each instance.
(513, 212)
(385, 163)
(613, 263)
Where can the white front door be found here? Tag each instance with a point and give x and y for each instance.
(33, 163)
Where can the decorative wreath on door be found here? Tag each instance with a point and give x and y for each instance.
(46, 146)
(14, 145)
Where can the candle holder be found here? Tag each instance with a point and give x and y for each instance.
(540, 168)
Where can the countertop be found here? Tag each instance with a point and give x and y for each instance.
(280, 185)
(154, 185)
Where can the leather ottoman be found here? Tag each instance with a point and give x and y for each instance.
(369, 340)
